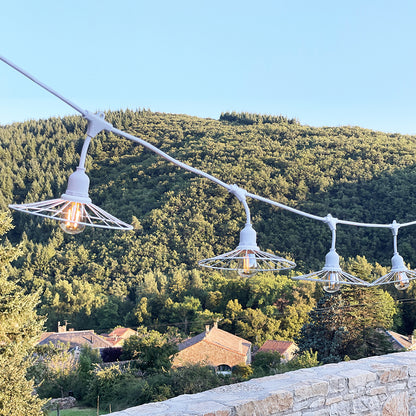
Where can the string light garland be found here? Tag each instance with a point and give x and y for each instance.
(75, 210)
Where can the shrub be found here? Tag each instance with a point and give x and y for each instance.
(194, 379)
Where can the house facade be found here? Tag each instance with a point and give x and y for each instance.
(214, 347)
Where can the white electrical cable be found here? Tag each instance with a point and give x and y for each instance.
(238, 192)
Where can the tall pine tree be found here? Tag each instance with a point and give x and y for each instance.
(348, 323)
(20, 327)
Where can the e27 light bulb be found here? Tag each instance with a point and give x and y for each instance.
(402, 282)
(73, 216)
(332, 283)
(247, 264)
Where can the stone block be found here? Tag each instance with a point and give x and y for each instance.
(311, 389)
(396, 387)
(277, 402)
(332, 400)
(364, 405)
(412, 369)
(376, 390)
(337, 384)
(340, 409)
(218, 413)
(283, 399)
(359, 378)
(317, 403)
(301, 405)
(206, 408)
(389, 373)
(396, 405)
(411, 382)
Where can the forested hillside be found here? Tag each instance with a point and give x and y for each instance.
(100, 279)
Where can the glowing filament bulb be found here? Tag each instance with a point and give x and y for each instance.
(332, 284)
(73, 215)
(247, 264)
(402, 281)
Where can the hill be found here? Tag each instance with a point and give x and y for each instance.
(100, 278)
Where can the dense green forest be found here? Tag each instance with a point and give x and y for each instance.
(149, 276)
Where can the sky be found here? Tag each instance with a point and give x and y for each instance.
(325, 63)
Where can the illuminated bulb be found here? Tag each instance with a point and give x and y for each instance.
(332, 284)
(247, 264)
(73, 215)
(403, 281)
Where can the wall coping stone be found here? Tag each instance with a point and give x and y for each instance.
(382, 385)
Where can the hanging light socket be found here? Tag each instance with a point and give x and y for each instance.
(78, 186)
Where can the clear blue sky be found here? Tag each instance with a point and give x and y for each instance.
(326, 63)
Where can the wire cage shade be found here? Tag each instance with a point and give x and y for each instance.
(324, 276)
(399, 274)
(401, 279)
(91, 214)
(332, 276)
(264, 261)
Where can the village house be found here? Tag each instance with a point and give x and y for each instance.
(286, 349)
(401, 342)
(119, 335)
(214, 347)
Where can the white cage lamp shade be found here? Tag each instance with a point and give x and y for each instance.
(74, 209)
(399, 274)
(332, 276)
(247, 259)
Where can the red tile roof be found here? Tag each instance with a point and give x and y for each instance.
(122, 332)
(280, 346)
(221, 338)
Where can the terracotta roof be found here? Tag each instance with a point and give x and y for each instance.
(122, 332)
(221, 338)
(402, 340)
(76, 339)
(280, 346)
(111, 340)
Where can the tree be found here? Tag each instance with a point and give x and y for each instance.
(348, 323)
(20, 327)
(151, 351)
(266, 362)
(194, 378)
(55, 370)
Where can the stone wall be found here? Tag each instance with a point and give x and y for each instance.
(376, 386)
